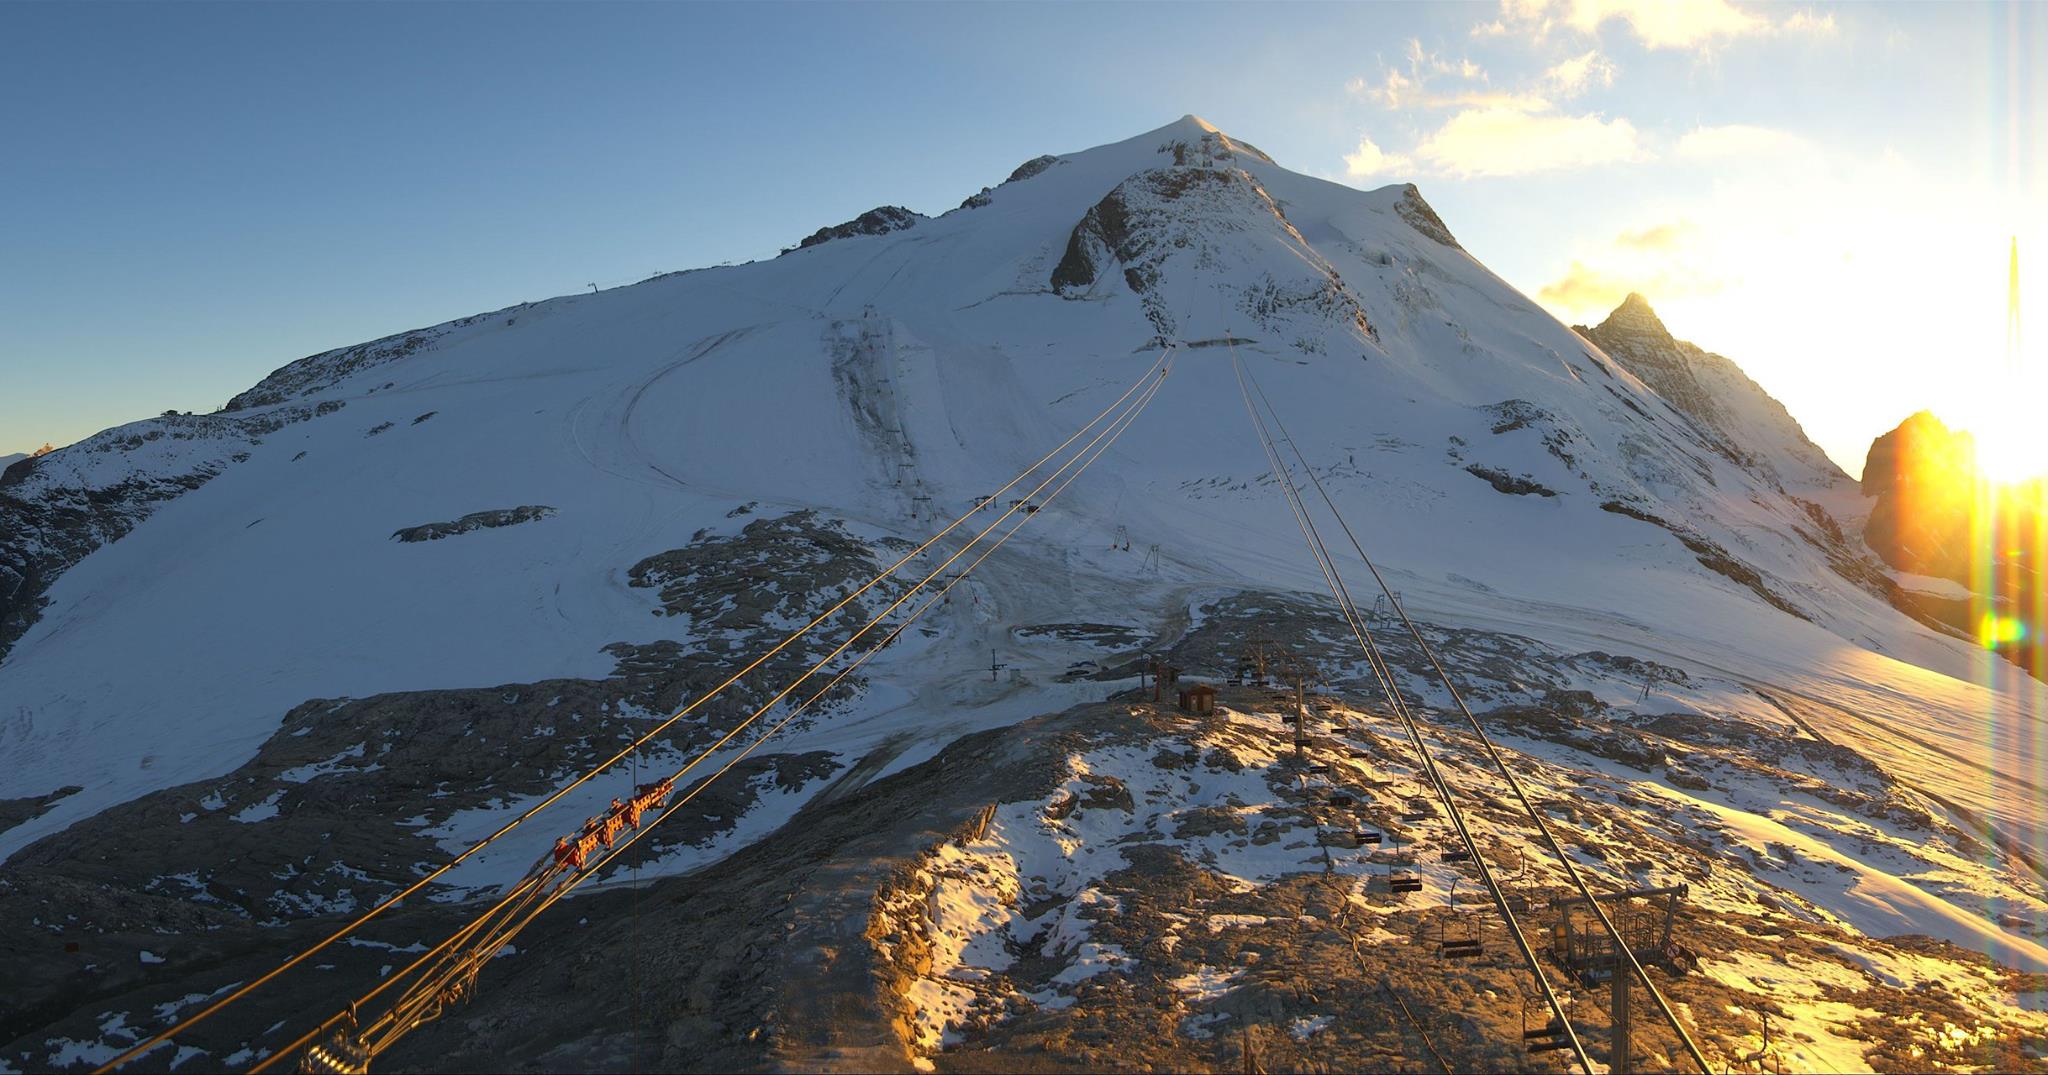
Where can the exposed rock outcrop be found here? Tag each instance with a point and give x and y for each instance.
(475, 520)
(1191, 211)
(878, 221)
(1937, 514)
(1422, 218)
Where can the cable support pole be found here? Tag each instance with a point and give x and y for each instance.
(393, 1027)
(1542, 825)
(1158, 365)
(1431, 772)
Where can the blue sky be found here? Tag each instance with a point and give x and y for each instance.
(197, 193)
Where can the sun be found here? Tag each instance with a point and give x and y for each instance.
(2011, 450)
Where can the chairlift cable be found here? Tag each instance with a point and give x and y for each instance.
(388, 1028)
(1542, 824)
(1433, 775)
(1158, 366)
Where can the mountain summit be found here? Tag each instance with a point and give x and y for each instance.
(1635, 318)
(1738, 419)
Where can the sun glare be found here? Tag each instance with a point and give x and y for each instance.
(2010, 452)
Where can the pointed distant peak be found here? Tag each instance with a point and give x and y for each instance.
(1635, 317)
(1194, 140)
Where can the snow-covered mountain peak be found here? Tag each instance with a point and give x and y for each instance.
(1733, 413)
(1194, 140)
(1634, 317)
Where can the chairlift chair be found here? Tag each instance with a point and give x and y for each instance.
(1401, 876)
(1461, 942)
(1547, 1038)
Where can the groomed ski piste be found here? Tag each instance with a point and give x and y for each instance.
(1559, 527)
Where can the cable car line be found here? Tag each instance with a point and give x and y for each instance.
(1158, 367)
(1384, 672)
(1635, 966)
(454, 975)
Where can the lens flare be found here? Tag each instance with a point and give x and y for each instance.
(1994, 631)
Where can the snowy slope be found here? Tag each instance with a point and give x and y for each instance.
(1510, 474)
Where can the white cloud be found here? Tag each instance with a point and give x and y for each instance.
(1424, 63)
(1590, 293)
(1580, 73)
(1509, 140)
(1658, 24)
(1806, 22)
(1397, 89)
(1738, 141)
(1392, 91)
(1659, 260)
(1668, 24)
(1370, 160)
(1656, 236)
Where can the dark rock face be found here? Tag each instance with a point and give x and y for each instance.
(1422, 218)
(1502, 481)
(880, 221)
(15, 811)
(54, 510)
(1930, 518)
(1024, 171)
(1924, 477)
(1032, 167)
(475, 520)
(1106, 231)
(1158, 214)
